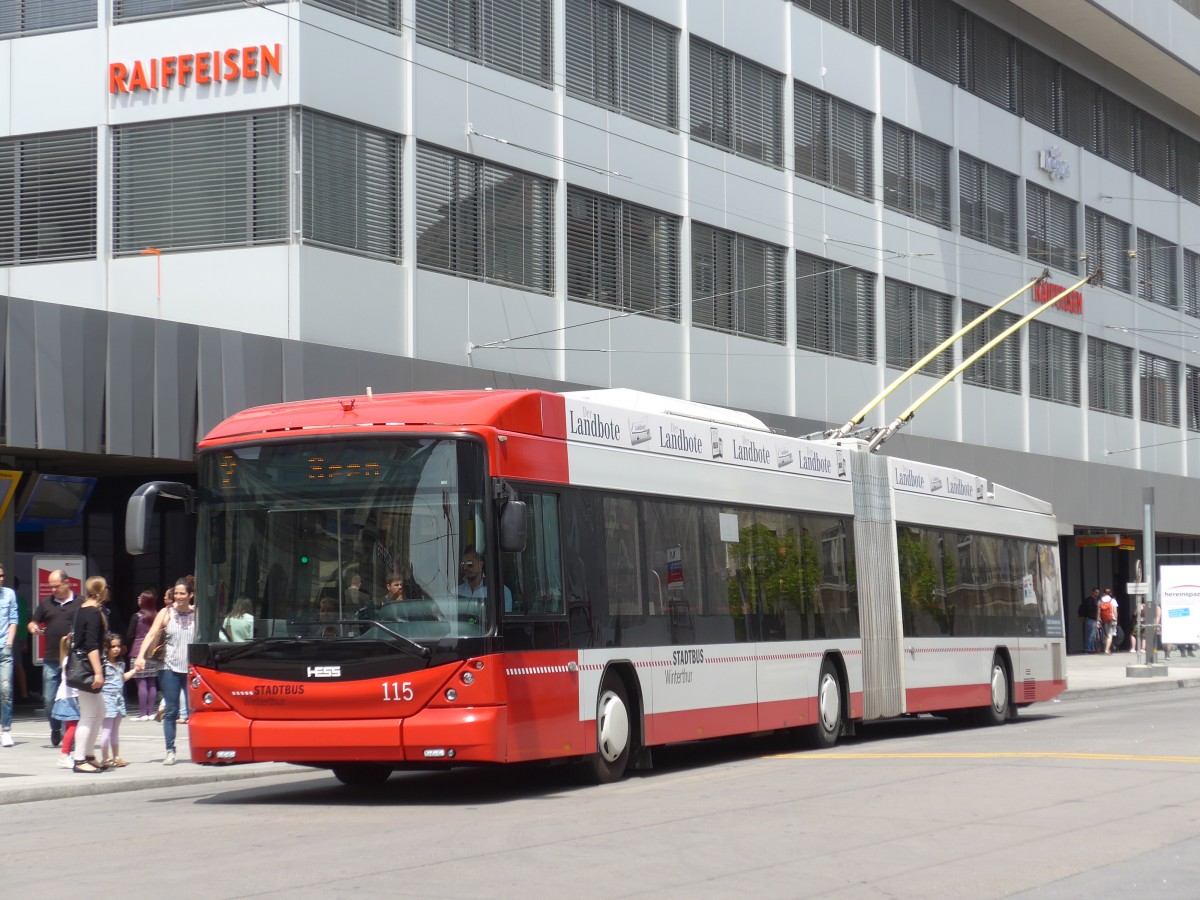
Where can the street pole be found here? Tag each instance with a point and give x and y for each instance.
(1149, 618)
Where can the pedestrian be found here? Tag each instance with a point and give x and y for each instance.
(115, 677)
(1107, 615)
(177, 625)
(1089, 608)
(135, 636)
(10, 618)
(88, 636)
(65, 708)
(52, 619)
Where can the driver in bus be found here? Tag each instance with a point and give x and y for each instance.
(474, 585)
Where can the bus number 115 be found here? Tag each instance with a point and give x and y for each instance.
(397, 690)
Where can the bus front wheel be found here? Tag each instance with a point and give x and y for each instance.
(613, 733)
(998, 709)
(362, 774)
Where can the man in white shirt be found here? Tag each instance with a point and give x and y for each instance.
(473, 585)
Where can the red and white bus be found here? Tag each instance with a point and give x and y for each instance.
(640, 571)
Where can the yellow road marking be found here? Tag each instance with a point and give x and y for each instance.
(1107, 757)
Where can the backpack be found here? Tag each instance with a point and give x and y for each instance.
(1107, 613)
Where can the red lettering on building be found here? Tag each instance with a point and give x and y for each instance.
(1044, 292)
(204, 67)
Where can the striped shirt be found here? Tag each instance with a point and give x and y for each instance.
(181, 631)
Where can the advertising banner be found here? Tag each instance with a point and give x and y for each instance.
(1180, 599)
(76, 569)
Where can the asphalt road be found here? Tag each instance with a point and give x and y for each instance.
(1095, 797)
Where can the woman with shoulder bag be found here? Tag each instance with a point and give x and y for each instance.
(88, 637)
(176, 624)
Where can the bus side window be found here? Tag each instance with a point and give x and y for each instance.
(534, 576)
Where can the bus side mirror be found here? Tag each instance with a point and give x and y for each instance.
(141, 508)
(512, 527)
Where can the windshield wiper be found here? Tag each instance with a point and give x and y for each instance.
(404, 643)
(224, 656)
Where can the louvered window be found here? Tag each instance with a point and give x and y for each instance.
(380, 13)
(48, 197)
(1191, 283)
(1000, 367)
(1156, 270)
(1108, 246)
(622, 255)
(1039, 89)
(1110, 378)
(1158, 384)
(735, 103)
(1053, 363)
(623, 60)
(132, 10)
(20, 17)
(1051, 230)
(216, 181)
(1187, 166)
(834, 142)
(1193, 398)
(835, 308)
(987, 203)
(916, 175)
(939, 38)
(1081, 99)
(514, 36)
(1117, 117)
(887, 23)
(483, 221)
(350, 186)
(1156, 151)
(738, 284)
(990, 68)
(839, 12)
(917, 320)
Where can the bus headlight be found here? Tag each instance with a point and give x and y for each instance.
(468, 677)
(451, 694)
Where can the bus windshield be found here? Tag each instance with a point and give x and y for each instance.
(340, 539)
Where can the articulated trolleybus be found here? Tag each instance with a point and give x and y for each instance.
(456, 578)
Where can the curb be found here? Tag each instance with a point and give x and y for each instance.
(1135, 686)
(99, 785)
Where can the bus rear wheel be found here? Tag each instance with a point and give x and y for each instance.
(829, 708)
(999, 708)
(362, 774)
(613, 733)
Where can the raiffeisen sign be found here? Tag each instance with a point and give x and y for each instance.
(201, 67)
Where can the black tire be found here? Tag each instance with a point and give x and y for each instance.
(1000, 707)
(830, 713)
(613, 733)
(362, 775)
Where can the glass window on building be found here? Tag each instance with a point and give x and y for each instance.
(1053, 363)
(1117, 120)
(1000, 367)
(1156, 270)
(916, 320)
(1156, 151)
(939, 37)
(622, 59)
(25, 17)
(622, 255)
(48, 197)
(835, 308)
(1108, 246)
(987, 197)
(1158, 383)
(738, 284)
(1191, 283)
(1193, 398)
(483, 221)
(214, 181)
(134, 10)
(989, 57)
(735, 103)
(1051, 230)
(350, 186)
(1110, 378)
(514, 36)
(1040, 89)
(916, 175)
(834, 142)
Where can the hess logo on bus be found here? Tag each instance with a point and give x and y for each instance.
(324, 671)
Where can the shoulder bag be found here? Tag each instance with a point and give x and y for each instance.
(157, 652)
(79, 672)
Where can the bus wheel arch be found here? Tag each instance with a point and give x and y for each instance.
(619, 733)
(833, 703)
(1000, 706)
(362, 774)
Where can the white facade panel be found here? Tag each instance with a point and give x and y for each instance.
(351, 301)
(72, 283)
(69, 67)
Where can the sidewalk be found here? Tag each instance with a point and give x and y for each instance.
(28, 771)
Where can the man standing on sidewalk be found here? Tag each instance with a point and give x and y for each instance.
(1089, 608)
(53, 619)
(9, 617)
